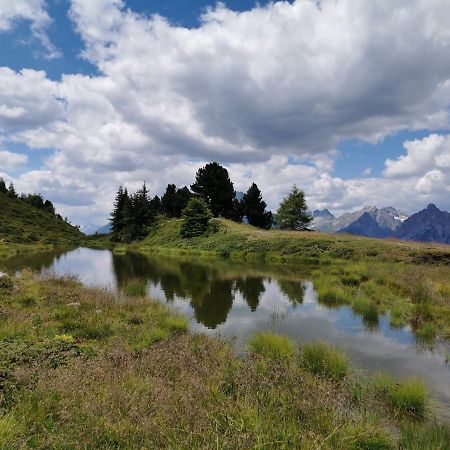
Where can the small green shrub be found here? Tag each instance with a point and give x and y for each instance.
(408, 396)
(195, 219)
(331, 296)
(324, 360)
(367, 309)
(400, 314)
(271, 345)
(6, 282)
(422, 311)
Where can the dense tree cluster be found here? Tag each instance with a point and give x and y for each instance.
(35, 200)
(133, 214)
(211, 195)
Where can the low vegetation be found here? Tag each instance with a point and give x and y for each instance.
(271, 345)
(410, 281)
(87, 368)
(22, 223)
(324, 360)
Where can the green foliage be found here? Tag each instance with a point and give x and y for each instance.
(367, 437)
(175, 200)
(293, 212)
(213, 185)
(196, 217)
(271, 345)
(132, 215)
(407, 396)
(23, 223)
(324, 360)
(254, 207)
(6, 282)
(135, 288)
(147, 383)
(427, 436)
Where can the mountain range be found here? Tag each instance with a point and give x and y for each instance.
(429, 225)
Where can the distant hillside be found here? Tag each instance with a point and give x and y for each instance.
(21, 222)
(105, 229)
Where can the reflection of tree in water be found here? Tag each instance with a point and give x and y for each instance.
(293, 290)
(37, 262)
(201, 283)
(212, 308)
(131, 266)
(251, 290)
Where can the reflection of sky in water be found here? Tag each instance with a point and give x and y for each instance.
(221, 303)
(91, 267)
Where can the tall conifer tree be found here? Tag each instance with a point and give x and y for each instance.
(254, 207)
(213, 185)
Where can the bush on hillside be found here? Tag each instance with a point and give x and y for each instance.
(196, 217)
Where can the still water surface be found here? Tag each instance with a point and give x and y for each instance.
(235, 300)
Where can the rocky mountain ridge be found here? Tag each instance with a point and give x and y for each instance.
(428, 225)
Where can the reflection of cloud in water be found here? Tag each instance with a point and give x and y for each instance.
(91, 267)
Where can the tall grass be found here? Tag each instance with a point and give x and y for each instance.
(407, 395)
(324, 360)
(427, 436)
(135, 288)
(271, 345)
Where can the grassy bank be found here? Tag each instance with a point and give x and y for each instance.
(87, 368)
(246, 242)
(409, 280)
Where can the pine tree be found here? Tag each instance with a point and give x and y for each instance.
(213, 185)
(11, 191)
(3, 188)
(175, 200)
(169, 200)
(196, 217)
(142, 213)
(254, 208)
(117, 216)
(156, 205)
(182, 199)
(293, 211)
(48, 206)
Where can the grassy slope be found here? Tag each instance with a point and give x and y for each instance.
(239, 240)
(21, 223)
(410, 280)
(86, 368)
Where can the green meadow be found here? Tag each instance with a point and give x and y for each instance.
(89, 368)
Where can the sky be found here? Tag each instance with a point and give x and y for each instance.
(349, 100)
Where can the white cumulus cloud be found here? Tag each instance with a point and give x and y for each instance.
(270, 92)
(10, 160)
(33, 11)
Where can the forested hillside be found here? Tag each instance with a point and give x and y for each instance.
(23, 223)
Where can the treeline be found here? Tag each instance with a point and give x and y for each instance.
(35, 200)
(211, 195)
